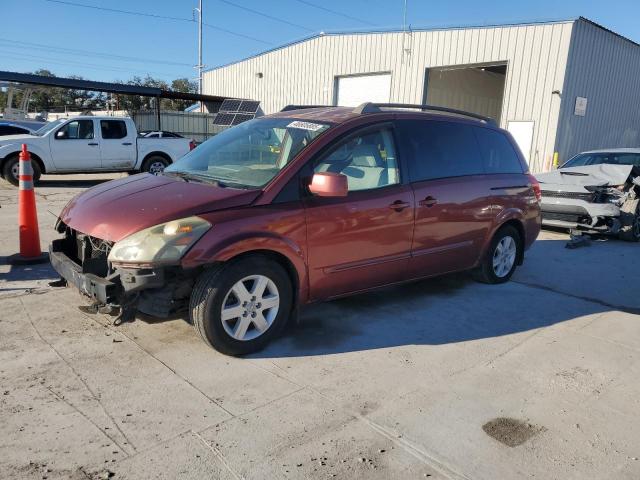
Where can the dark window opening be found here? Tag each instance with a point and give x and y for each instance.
(113, 129)
(440, 149)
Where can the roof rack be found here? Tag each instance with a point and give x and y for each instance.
(369, 107)
(302, 107)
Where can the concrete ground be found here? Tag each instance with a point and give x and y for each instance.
(400, 383)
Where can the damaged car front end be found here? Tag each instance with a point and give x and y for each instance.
(138, 273)
(601, 198)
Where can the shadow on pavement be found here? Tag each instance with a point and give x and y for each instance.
(71, 183)
(20, 273)
(454, 308)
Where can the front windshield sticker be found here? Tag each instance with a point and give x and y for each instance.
(312, 127)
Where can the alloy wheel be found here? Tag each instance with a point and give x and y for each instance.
(250, 307)
(504, 256)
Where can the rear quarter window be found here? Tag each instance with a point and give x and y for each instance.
(11, 130)
(437, 149)
(498, 153)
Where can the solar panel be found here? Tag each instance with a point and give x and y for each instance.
(234, 111)
(230, 105)
(224, 119)
(242, 117)
(249, 106)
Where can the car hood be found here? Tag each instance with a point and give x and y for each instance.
(6, 139)
(116, 209)
(579, 178)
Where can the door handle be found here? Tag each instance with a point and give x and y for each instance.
(399, 205)
(93, 144)
(428, 202)
(127, 143)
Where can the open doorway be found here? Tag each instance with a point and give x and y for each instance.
(472, 88)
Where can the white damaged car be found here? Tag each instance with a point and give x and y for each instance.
(595, 192)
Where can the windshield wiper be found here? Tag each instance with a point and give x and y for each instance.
(190, 176)
(228, 182)
(576, 174)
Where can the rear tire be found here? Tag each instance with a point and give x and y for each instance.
(155, 164)
(501, 258)
(630, 219)
(238, 308)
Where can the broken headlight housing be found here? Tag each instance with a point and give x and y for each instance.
(161, 244)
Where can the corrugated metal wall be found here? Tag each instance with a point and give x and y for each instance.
(304, 73)
(605, 69)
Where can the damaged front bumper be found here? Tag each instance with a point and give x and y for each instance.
(158, 291)
(580, 215)
(101, 290)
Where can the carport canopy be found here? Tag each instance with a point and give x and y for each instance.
(120, 88)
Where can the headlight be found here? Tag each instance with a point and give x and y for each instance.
(164, 243)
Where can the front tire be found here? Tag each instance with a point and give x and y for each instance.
(240, 307)
(155, 164)
(501, 258)
(11, 170)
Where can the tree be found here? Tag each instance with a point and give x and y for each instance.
(183, 85)
(132, 103)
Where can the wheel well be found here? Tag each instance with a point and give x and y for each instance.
(157, 154)
(34, 157)
(520, 228)
(283, 261)
(39, 161)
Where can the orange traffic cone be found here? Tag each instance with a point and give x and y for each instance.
(27, 216)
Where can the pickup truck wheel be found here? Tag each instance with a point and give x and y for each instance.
(240, 307)
(630, 219)
(10, 170)
(501, 258)
(155, 164)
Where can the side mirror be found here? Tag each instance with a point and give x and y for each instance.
(328, 184)
(61, 134)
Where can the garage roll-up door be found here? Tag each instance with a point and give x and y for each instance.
(357, 89)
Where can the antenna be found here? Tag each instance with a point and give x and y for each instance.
(200, 65)
(404, 17)
(406, 34)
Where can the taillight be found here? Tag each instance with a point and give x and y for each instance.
(536, 187)
(192, 145)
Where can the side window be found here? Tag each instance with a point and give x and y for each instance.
(113, 129)
(76, 130)
(439, 149)
(497, 152)
(368, 161)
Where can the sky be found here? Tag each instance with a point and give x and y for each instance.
(92, 39)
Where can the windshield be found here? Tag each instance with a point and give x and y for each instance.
(612, 158)
(47, 127)
(251, 154)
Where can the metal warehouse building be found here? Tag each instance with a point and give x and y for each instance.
(559, 87)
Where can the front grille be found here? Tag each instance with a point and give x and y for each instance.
(586, 196)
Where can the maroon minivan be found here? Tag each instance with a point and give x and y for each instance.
(304, 205)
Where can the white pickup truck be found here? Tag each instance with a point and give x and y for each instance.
(90, 144)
